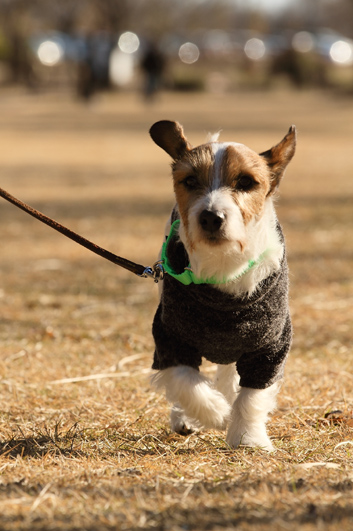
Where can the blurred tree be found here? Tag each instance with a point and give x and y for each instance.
(62, 16)
(112, 15)
(151, 20)
(157, 18)
(339, 15)
(15, 28)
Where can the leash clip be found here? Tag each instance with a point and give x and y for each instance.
(156, 272)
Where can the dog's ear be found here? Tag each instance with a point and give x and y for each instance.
(170, 137)
(279, 156)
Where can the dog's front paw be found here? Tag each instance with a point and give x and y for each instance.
(252, 438)
(209, 407)
(180, 423)
(195, 395)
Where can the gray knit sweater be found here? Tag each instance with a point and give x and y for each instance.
(198, 321)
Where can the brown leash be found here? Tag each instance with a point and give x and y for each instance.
(155, 272)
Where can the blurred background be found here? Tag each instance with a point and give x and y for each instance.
(81, 83)
(219, 46)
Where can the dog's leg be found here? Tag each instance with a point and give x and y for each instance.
(249, 416)
(195, 395)
(227, 380)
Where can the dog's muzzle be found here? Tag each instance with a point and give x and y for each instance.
(211, 222)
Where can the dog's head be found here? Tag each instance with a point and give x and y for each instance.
(221, 188)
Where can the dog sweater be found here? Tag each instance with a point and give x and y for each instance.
(198, 321)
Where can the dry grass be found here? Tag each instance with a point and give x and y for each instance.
(98, 453)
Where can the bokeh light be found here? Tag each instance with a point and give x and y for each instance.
(50, 53)
(129, 42)
(189, 53)
(255, 49)
(303, 42)
(341, 52)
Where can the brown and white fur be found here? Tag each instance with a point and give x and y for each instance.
(224, 194)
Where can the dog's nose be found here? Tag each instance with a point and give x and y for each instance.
(211, 221)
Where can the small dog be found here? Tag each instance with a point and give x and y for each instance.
(225, 292)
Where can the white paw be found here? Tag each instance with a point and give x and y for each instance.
(255, 438)
(213, 410)
(195, 395)
(249, 417)
(180, 423)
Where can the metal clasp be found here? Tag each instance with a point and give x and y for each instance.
(156, 272)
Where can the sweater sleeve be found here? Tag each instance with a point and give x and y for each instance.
(264, 367)
(171, 350)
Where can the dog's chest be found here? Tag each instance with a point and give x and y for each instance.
(220, 327)
(200, 321)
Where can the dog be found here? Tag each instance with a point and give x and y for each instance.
(224, 295)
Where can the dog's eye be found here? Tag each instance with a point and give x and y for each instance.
(190, 182)
(244, 183)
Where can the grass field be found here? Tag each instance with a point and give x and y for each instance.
(85, 442)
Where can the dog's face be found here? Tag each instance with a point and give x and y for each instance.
(221, 188)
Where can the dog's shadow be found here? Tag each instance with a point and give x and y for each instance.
(82, 443)
(42, 443)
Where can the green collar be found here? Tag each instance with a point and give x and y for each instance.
(188, 276)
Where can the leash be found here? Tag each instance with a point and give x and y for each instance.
(155, 272)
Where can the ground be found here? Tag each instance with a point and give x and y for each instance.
(85, 442)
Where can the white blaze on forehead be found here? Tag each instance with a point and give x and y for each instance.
(218, 150)
(222, 146)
